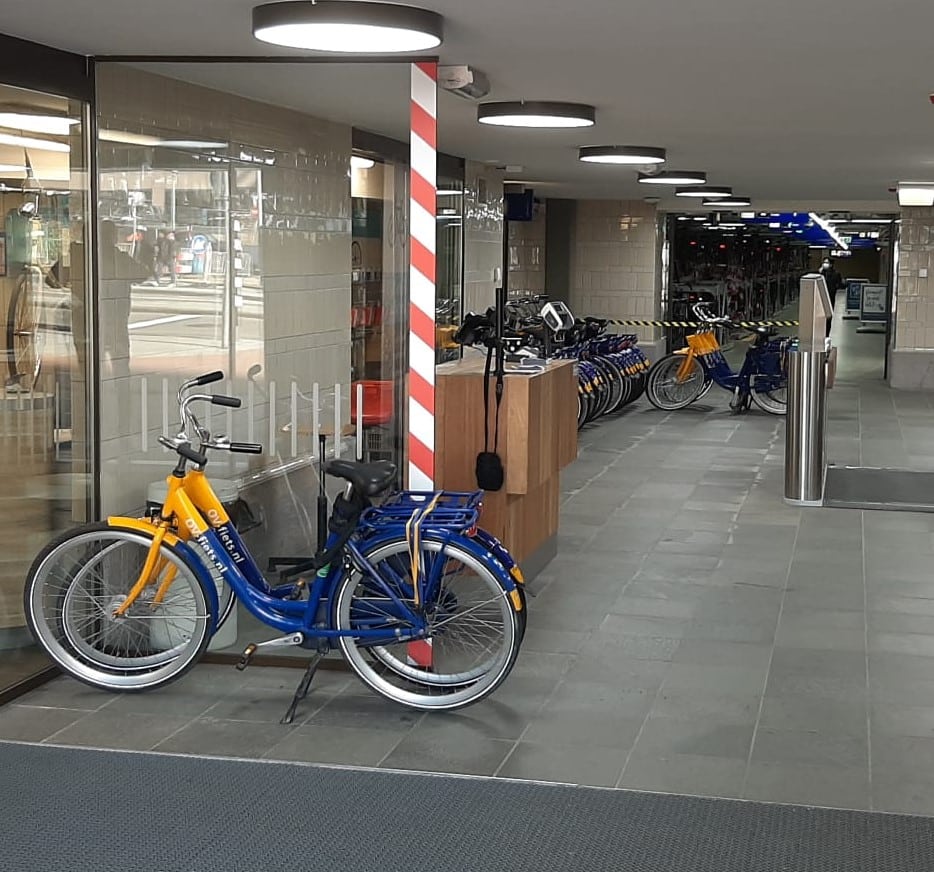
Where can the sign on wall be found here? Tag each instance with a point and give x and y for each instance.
(872, 308)
(854, 296)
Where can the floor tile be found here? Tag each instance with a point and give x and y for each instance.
(348, 746)
(128, 732)
(705, 737)
(809, 747)
(902, 795)
(439, 747)
(903, 720)
(686, 774)
(225, 738)
(808, 784)
(23, 723)
(815, 714)
(590, 727)
(568, 764)
(264, 706)
(351, 710)
(65, 692)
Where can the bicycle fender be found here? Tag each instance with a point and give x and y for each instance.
(140, 525)
(137, 525)
(475, 549)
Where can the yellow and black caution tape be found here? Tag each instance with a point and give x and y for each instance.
(633, 323)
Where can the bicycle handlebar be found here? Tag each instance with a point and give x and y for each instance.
(229, 402)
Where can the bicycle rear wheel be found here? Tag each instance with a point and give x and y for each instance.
(668, 392)
(473, 633)
(74, 589)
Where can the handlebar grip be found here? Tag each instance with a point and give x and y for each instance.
(221, 400)
(189, 453)
(246, 448)
(209, 378)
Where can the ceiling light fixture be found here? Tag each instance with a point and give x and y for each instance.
(674, 177)
(710, 192)
(37, 144)
(829, 230)
(727, 202)
(361, 163)
(916, 193)
(357, 27)
(56, 125)
(12, 168)
(626, 155)
(190, 143)
(537, 113)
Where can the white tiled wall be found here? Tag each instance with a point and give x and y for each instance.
(305, 314)
(483, 235)
(915, 311)
(614, 268)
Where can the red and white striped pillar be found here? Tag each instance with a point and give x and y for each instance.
(422, 229)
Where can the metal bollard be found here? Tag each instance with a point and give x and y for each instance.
(805, 427)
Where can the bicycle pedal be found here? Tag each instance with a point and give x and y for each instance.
(247, 656)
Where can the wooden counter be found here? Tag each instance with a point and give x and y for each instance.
(537, 439)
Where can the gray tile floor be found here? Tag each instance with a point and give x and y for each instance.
(695, 634)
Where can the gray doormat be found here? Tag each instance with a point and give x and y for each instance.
(897, 490)
(74, 810)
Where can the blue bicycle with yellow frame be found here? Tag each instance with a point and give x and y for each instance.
(427, 609)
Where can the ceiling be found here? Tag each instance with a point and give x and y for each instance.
(814, 104)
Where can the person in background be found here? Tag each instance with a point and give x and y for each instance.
(834, 282)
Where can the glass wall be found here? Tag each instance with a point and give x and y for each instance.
(225, 244)
(379, 299)
(450, 264)
(45, 462)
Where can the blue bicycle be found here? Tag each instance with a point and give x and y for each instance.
(428, 610)
(681, 378)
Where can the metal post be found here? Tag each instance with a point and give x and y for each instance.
(807, 397)
(805, 427)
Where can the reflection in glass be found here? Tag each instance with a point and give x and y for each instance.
(450, 265)
(44, 472)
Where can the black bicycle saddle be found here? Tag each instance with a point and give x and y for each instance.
(370, 479)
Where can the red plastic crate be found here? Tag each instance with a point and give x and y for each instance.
(377, 403)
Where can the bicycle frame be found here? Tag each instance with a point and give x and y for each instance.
(223, 549)
(705, 349)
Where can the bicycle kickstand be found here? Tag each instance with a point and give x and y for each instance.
(302, 690)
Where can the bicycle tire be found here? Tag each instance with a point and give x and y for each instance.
(618, 383)
(103, 659)
(661, 375)
(408, 684)
(608, 386)
(774, 401)
(22, 330)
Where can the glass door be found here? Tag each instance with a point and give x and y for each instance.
(45, 452)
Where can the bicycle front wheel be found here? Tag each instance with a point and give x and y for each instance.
(770, 398)
(75, 588)
(23, 339)
(668, 389)
(473, 633)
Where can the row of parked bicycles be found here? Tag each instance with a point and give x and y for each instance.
(614, 372)
(611, 368)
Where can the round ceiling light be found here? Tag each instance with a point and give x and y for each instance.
(711, 192)
(674, 177)
(357, 27)
(361, 163)
(627, 155)
(537, 114)
(728, 202)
